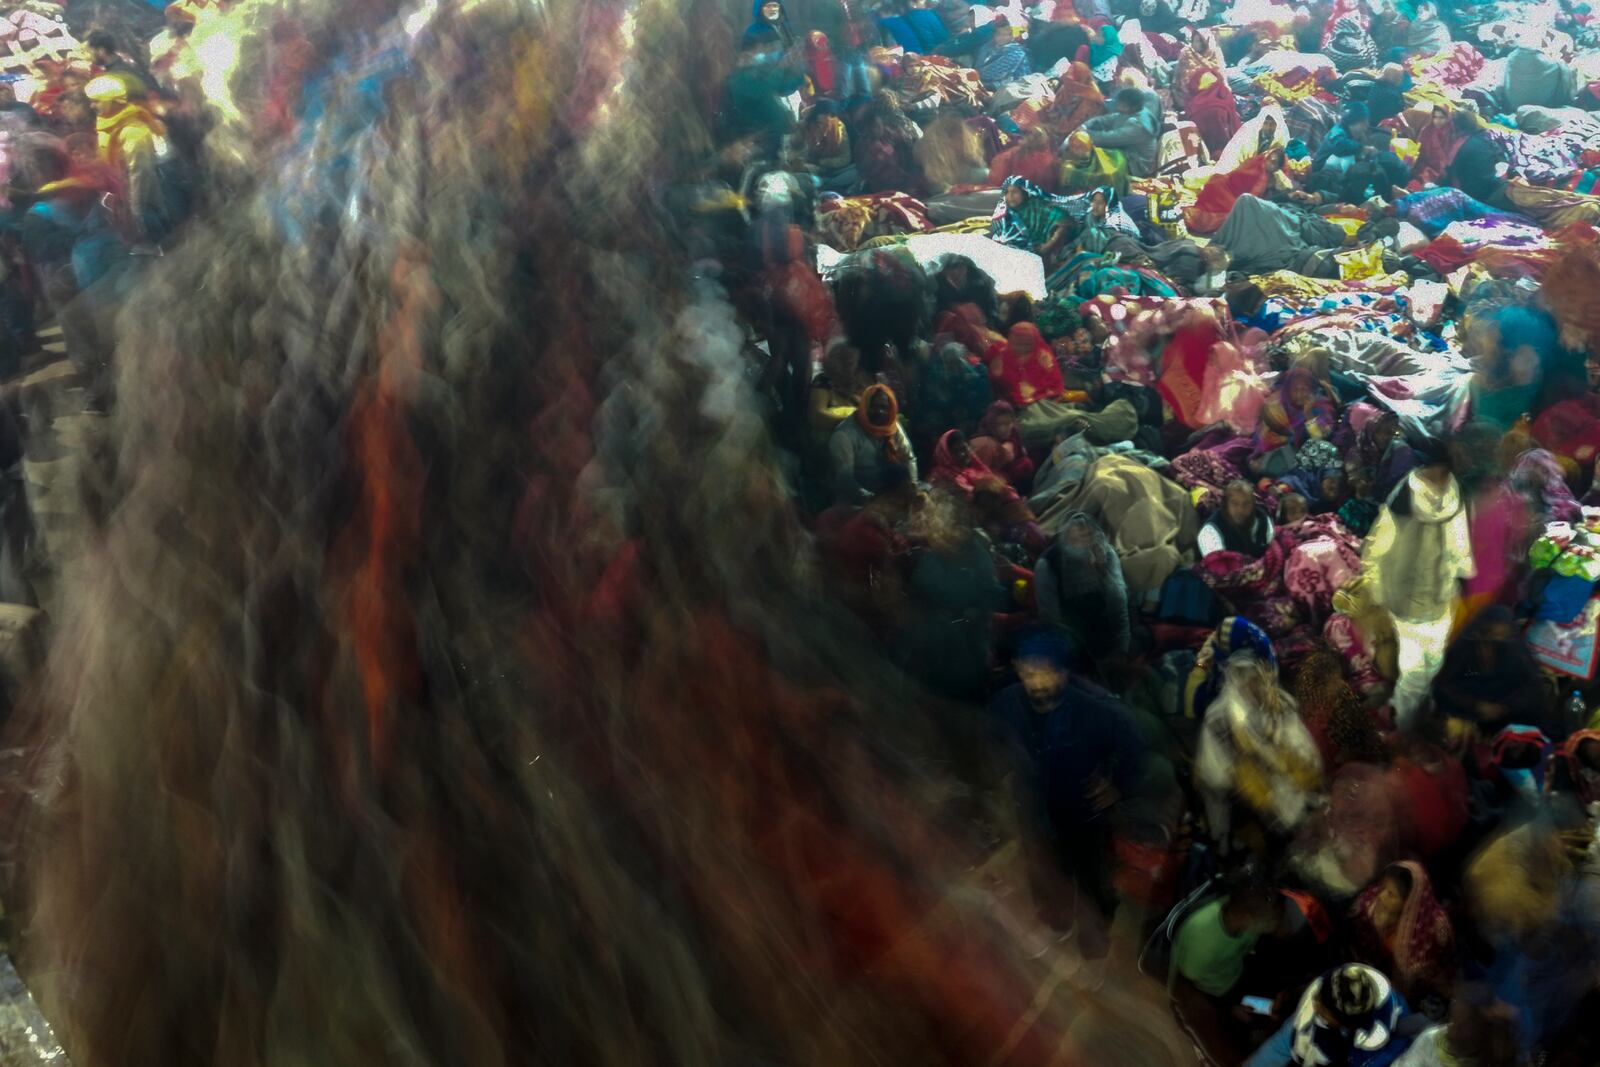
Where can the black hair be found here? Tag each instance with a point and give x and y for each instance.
(1128, 96)
(103, 39)
(1466, 121)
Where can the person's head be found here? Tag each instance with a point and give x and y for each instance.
(1129, 100)
(1016, 193)
(841, 365)
(1080, 534)
(770, 10)
(1099, 203)
(1385, 428)
(1394, 887)
(73, 79)
(1292, 508)
(1298, 386)
(8, 92)
(878, 402)
(1277, 158)
(1346, 995)
(956, 272)
(179, 19)
(1043, 663)
(107, 94)
(1494, 626)
(1332, 486)
(1215, 257)
(1080, 146)
(102, 48)
(1269, 127)
(1238, 503)
(1245, 299)
(1426, 9)
(1466, 122)
(1002, 420)
(1099, 329)
(1393, 74)
(1023, 338)
(1440, 117)
(81, 147)
(1252, 909)
(1356, 120)
(960, 448)
(1255, 680)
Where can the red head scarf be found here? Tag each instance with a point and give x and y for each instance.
(886, 431)
(1024, 369)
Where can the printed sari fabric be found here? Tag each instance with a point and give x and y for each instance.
(1419, 953)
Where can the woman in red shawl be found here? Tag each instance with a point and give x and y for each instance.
(1222, 191)
(1437, 144)
(1023, 370)
(1032, 157)
(1214, 111)
(1201, 55)
(957, 466)
(999, 445)
(1400, 928)
(1078, 99)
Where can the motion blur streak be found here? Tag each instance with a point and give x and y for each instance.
(448, 681)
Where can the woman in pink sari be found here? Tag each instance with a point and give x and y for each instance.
(1400, 927)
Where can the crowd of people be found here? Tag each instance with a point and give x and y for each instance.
(101, 163)
(1201, 396)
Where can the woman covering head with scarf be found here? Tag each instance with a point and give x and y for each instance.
(1029, 218)
(1023, 372)
(957, 468)
(1031, 158)
(1257, 768)
(1085, 168)
(1214, 111)
(1077, 100)
(1269, 129)
(1436, 147)
(866, 447)
(1297, 413)
(1002, 58)
(1350, 46)
(999, 445)
(1079, 586)
(1104, 221)
(1539, 479)
(1200, 56)
(1400, 928)
(1233, 635)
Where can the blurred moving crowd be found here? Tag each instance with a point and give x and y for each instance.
(99, 151)
(1201, 395)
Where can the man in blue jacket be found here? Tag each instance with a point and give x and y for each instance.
(1075, 754)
